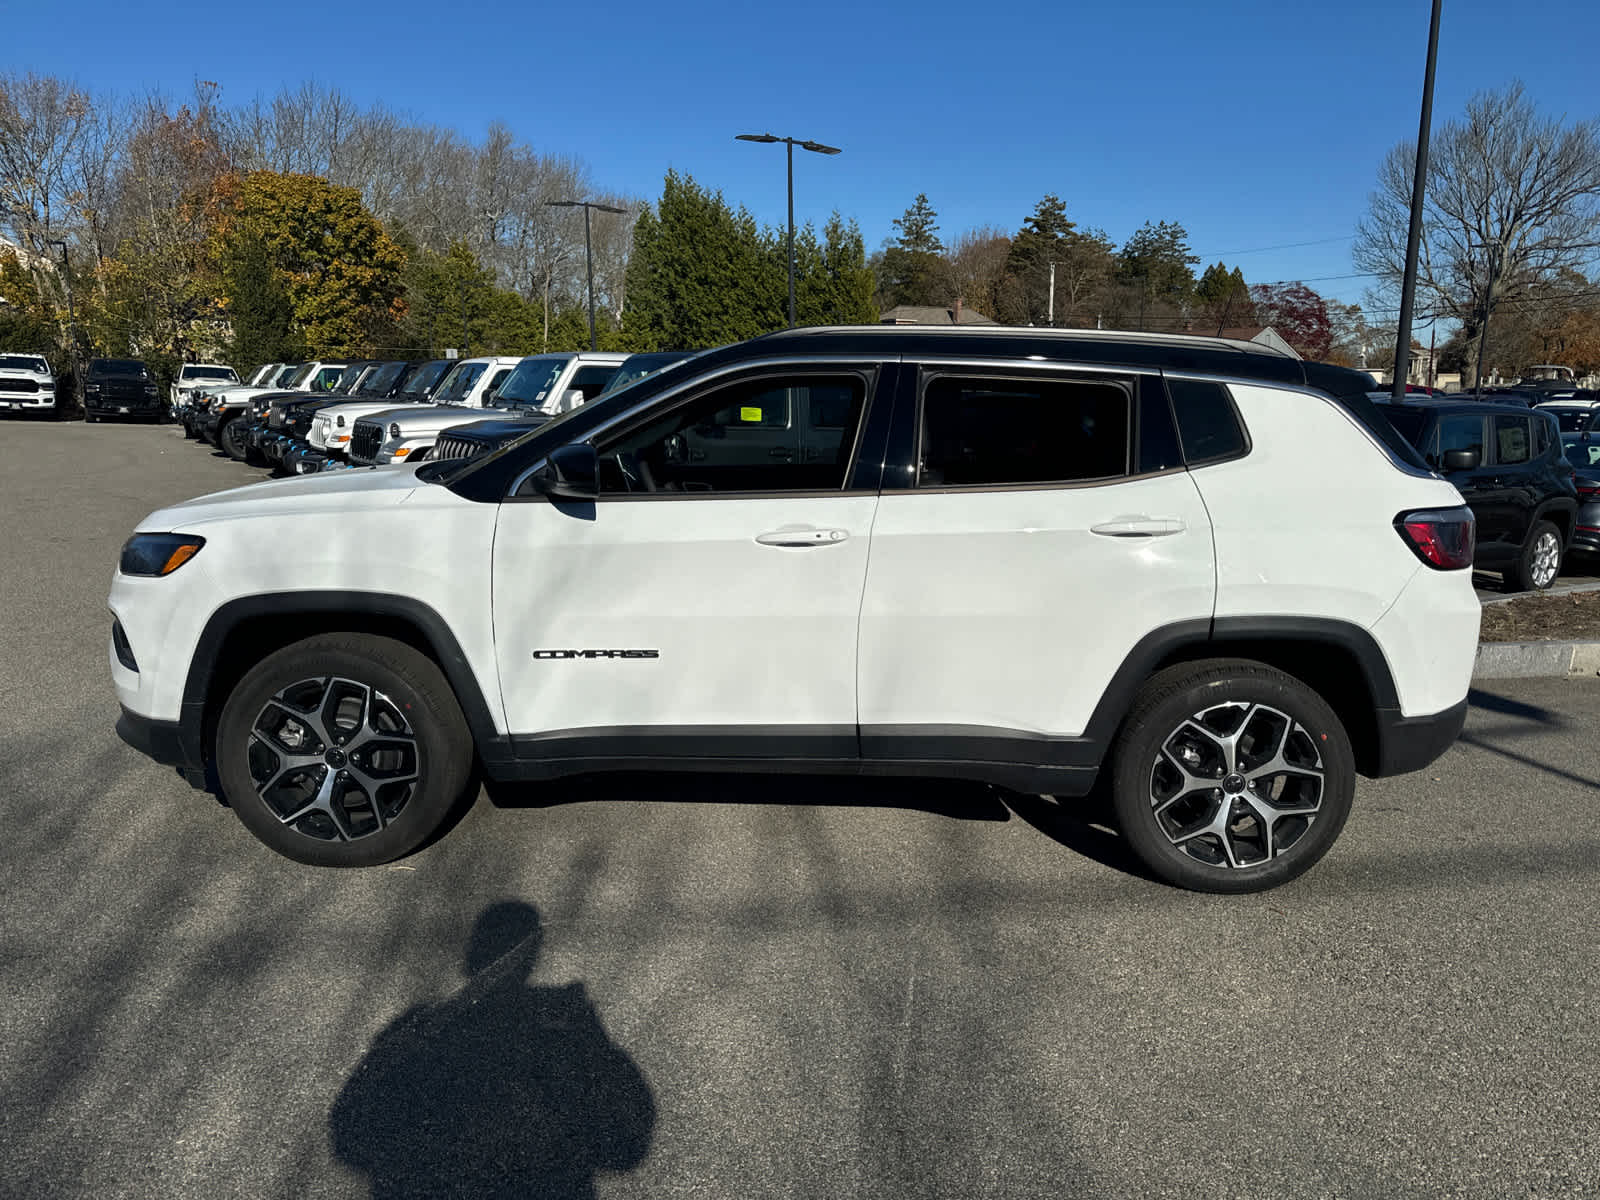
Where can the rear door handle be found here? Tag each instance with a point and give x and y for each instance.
(1140, 526)
(802, 537)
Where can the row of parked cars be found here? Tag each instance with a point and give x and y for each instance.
(302, 418)
(1527, 461)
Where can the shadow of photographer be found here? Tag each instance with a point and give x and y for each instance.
(503, 1089)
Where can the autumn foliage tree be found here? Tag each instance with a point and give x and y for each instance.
(1299, 315)
(338, 267)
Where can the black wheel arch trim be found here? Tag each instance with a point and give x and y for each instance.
(447, 652)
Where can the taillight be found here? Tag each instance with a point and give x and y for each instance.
(1441, 537)
(1588, 491)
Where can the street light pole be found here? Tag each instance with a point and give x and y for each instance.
(790, 144)
(588, 249)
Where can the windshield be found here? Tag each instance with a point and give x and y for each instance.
(117, 366)
(529, 385)
(639, 365)
(426, 376)
(350, 376)
(455, 388)
(381, 381)
(21, 362)
(210, 373)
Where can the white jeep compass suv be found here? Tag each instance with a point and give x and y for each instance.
(1031, 558)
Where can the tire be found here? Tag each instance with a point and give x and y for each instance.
(411, 750)
(230, 440)
(1177, 735)
(1539, 562)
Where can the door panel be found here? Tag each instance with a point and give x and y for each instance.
(735, 632)
(1004, 609)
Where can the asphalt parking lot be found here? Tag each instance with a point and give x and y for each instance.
(744, 987)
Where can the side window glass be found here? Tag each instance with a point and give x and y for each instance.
(1158, 436)
(1461, 432)
(1207, 423)
(1511, 440)
(591, 381)
(978, 431)
(748, 437)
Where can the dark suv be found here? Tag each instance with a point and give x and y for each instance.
(1507, 461)
(120, 387)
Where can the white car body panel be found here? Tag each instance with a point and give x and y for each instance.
(772, 643)
(452, 577)
(1019, 573)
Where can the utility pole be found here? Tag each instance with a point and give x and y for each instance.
(1419, 183)
(466, 340)
(1052, 317)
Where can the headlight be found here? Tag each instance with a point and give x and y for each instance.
(158, 553)
(91, 387)
(149, 389)
(394, 429)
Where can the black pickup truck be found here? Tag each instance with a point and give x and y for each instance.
(120, 387)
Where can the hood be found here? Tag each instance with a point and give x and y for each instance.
(335, 493)
(494, 430)
(419, 418)
(351, 409)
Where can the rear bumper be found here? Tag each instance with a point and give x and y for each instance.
(1411, 743)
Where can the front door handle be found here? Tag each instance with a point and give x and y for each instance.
(802, 537)
(1140, 526)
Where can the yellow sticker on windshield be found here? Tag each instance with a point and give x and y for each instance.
(750, 415)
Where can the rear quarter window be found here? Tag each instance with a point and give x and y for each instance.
(1208, 424)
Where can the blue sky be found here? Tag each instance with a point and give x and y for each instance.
(1254, 124)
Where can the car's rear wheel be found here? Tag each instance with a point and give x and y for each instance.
(344, 750)
(1539, 563)
(1231, 776)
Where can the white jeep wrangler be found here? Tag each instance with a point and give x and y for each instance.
(1207, 574)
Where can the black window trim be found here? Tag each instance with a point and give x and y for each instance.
(928, 371)
(1195, 464)
(870, 372)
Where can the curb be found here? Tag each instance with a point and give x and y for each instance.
(1536, 660)
(1560, 589)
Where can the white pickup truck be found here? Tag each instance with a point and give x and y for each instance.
(27, 384)
(470, 384)
(192, 377)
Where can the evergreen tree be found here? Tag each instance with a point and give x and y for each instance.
(701, 274)
(258, 308)
(912, 268)
(1083, 261)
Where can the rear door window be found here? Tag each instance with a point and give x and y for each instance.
(997, 431)
(1513, 440)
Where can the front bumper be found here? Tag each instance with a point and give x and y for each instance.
(27, 401)
(163, 742)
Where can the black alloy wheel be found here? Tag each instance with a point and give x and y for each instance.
(344, 750)
(1231, 776)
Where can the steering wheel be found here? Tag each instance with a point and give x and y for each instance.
(635, 471)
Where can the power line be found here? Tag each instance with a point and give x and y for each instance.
(1346, 237)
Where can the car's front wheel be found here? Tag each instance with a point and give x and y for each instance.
(1231, 776)
(230, 440)
(343, 750)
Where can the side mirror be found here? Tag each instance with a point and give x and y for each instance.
(571, 473)
(1460, 460)
(572, 399)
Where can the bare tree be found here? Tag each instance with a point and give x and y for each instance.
(42, 119)
(1513, 198)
